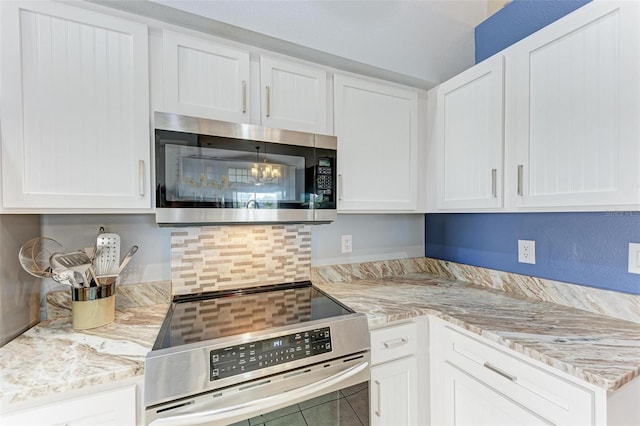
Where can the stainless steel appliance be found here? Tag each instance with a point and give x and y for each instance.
(229, 356)
(211, 171)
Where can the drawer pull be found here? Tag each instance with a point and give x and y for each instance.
(500, 372)
(395, 343)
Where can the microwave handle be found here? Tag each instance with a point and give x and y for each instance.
(218, 414)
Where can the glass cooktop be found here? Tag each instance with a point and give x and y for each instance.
(206, 316)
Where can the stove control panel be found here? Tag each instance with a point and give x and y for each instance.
(252, 356)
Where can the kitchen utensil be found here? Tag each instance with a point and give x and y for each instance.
(127, 257)
(76, 261)
(63, 278)
(34, 256)
(60, 271)
(107, 254)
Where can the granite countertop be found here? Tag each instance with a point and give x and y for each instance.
(52, 358)
(601, 350)
(598, 349)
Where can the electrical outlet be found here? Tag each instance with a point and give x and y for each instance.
(527, 251)
(346, 244)
(634, 258)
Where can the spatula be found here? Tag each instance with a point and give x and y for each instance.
(77, 261)
(107, 254)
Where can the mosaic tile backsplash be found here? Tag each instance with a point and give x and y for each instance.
(226, 257)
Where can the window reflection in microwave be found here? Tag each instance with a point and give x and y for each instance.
(231, 178)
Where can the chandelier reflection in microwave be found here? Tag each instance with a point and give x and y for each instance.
(263, 172)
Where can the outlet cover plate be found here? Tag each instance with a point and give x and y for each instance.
(347, 244)
(527, 251)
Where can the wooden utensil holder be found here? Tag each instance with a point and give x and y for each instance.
(93, 306)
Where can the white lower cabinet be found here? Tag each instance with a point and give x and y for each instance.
(393, 389)
(115, 407)
(474, 382)
(469, 401)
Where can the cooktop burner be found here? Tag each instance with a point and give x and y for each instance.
(206, 316)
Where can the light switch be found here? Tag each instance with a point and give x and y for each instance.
(634, 258)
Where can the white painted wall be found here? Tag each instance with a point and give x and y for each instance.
(19, 291)
(150, 263)
(375, 237)
(429, 40)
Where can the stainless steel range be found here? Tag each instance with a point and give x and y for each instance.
(223, 357)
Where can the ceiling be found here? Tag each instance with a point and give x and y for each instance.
(418, 42)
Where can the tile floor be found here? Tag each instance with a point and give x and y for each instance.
(346, 407)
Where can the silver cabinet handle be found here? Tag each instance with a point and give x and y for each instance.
(267, 90)
(520, 178)
(378, 412)
(494, 183)
(244, 96)
(395, 343)
(500, 372)
(141, 183)
(339, 187)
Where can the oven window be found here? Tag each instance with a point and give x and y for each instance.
(346, 407)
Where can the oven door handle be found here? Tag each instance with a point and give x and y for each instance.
(250, 407)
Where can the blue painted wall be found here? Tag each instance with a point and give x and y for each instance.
(517, 20)
(582, 248)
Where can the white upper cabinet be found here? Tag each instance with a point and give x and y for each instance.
(571, 128)
(75, 109)
(205, 79)
(470, 138)
(376, 125)
(294, 95)
(573, 111)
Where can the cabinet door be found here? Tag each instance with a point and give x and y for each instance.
(294, 96)
(376, 126)
(574, 109)
(110, 408)
(468, 401)
(75, 109)
(394, 393)
(470, 138)
(205, 79)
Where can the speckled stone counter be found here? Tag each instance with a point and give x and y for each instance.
(52, 358)
(598, 349)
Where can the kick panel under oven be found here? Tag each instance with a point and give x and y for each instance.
(286, 352)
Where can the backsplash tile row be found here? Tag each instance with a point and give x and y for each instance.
(226, 257)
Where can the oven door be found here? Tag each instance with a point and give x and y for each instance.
(334, 392)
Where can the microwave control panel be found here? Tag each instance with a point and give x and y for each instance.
(252, 356)
(324, 177)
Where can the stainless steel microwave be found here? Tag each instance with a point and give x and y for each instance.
(215, 172)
